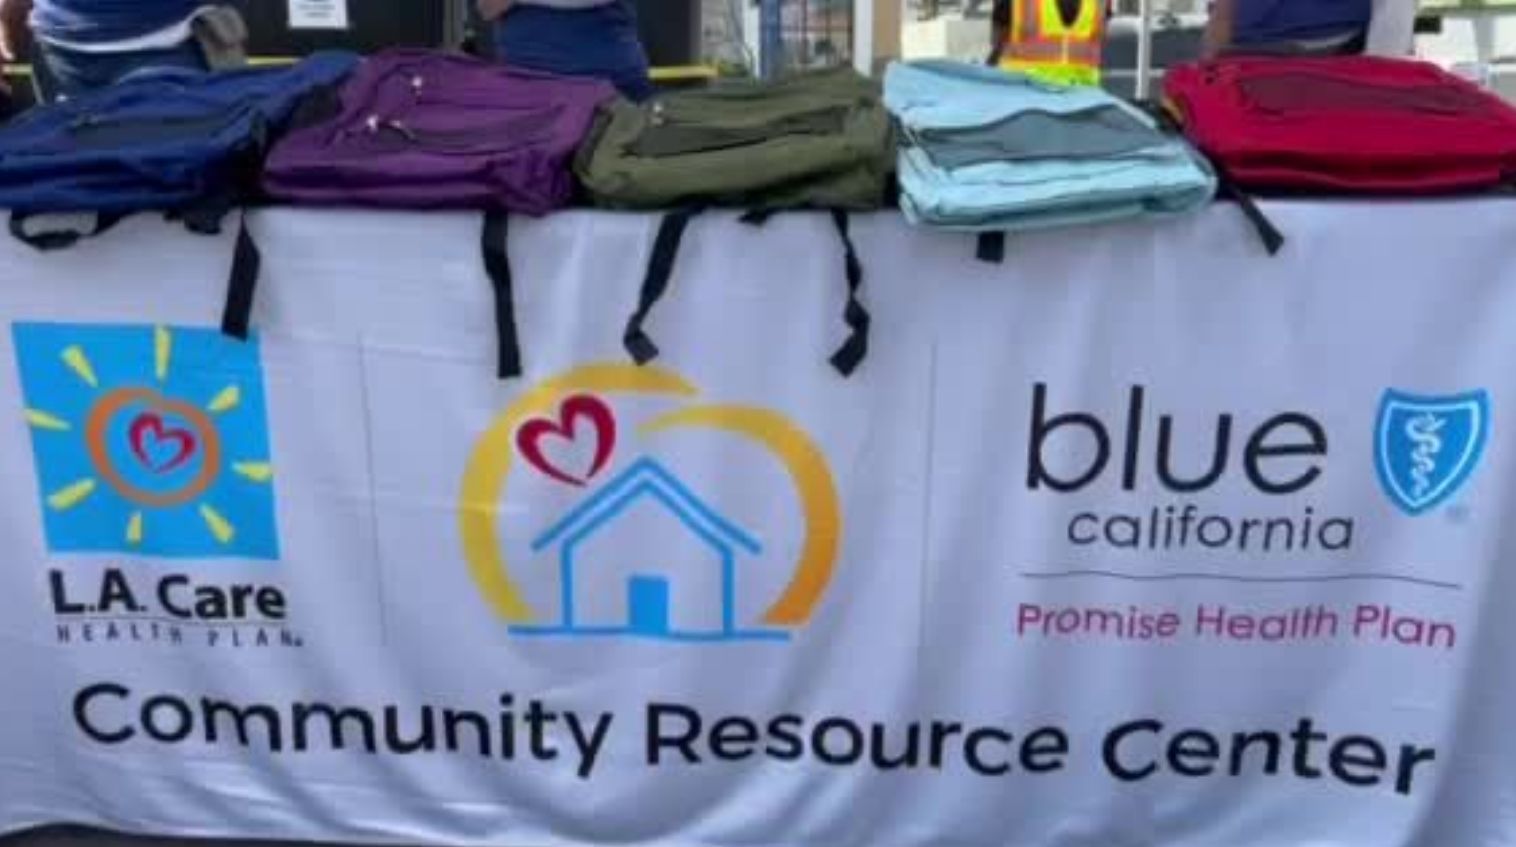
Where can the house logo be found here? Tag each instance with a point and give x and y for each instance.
(1426, 448)
(148, 440)
(578, 483)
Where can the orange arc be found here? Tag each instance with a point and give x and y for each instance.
(813, 483)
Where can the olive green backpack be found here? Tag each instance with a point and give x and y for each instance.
(818, 141)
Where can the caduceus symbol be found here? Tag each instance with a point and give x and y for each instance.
(1423, 431)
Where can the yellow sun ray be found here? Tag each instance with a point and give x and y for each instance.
(219, 526)
(70, 495)
(134, 529)
(163, 347)
(79, 363)
(226, 400)
(254, 471)
(42, 420)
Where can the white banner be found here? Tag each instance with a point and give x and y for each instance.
(1140, 538)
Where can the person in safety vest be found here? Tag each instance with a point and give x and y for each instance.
(1288, 27)
(1056, 40)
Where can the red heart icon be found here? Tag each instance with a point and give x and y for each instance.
(579, 408)
(148, 426)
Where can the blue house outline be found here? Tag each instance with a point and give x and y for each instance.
(642, 479)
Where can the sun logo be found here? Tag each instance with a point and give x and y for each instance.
(148, 440)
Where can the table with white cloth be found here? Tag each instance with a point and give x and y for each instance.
(1141, 537)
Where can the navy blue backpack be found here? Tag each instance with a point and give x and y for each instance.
(188, 144)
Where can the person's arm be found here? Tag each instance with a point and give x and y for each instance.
(1392, 29)
(492, 9)
(1000, 29)
(1218, 31)
(15, 31)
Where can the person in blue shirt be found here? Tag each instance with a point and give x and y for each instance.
(596, 38)
(1288, 27)
(80, 45)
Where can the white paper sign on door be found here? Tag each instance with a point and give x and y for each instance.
(318, 14)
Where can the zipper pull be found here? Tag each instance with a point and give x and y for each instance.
(404, 130)
(372, 124)
(659, 117)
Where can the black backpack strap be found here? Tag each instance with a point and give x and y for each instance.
(660, 268)
(204, 216)
(853, 351)
(497, 263)
(59, 239)
(1161, 115)
(990, 247)
(1272, 238)
(242, 284)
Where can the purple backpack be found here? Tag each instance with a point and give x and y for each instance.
(423, 130)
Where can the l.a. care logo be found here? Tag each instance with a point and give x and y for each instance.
(600, 444)
(152, 442)
(148, 440)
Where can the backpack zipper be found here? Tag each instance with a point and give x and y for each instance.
(1264, 95)
(513, 132)
(667, 135)
(126, 131)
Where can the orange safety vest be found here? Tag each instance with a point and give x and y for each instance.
(1042, 43)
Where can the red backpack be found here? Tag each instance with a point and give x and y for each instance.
(1347, 124)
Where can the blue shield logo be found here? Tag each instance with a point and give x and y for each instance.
(1425, 448)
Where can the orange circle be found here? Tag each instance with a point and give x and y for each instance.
(100, 417)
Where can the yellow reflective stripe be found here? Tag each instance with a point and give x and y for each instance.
(1056, 73)
(1069, 50)
(1019, 18)
(1038, 21)
(1052, 21)
(1037, 30)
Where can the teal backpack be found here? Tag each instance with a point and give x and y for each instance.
(986, 150)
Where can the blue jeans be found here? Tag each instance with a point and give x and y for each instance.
(59, 72)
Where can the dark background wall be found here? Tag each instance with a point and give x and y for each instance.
(670, 30)
(375, 24)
